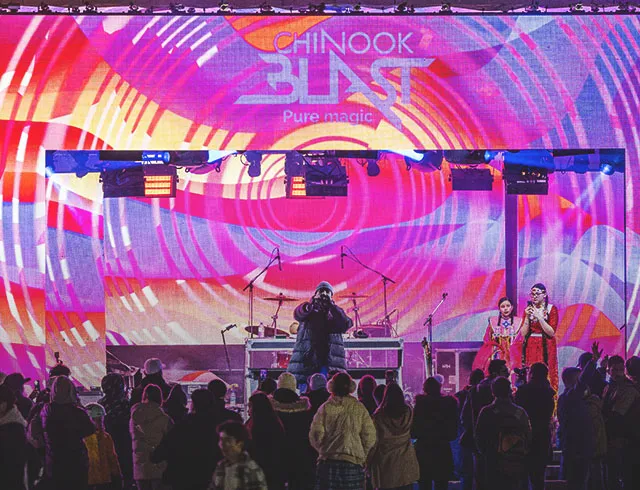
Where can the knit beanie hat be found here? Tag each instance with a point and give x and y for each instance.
(287, 381)
(317, 381)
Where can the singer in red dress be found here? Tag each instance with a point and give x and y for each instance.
(539, 332)
(502, 339)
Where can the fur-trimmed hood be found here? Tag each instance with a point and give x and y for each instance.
(288, 401)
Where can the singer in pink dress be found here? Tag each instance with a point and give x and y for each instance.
(539, 333)
(501, 339)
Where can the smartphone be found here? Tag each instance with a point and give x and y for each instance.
(263, 374)
(529, 303)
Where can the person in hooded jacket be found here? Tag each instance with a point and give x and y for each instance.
(116, 422)
(435, 424)
(13, 442)
(148, 426)
(190, 448)
(66, 424)
(393, 462)
(295, 414)
(319, 347)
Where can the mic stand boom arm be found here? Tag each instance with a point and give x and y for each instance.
(428, 344)
(249, 286)
(351, 256)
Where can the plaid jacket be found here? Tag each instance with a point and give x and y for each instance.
(244, 474)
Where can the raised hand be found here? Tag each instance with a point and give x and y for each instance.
(596, 351)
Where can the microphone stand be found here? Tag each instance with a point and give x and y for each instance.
(226, 352)
(384, 278)
(429, 345)
(249, 286)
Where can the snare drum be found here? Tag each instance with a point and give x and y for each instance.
(282, 359)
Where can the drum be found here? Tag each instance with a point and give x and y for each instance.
(282, 359)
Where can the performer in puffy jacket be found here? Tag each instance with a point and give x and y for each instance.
(319, 347)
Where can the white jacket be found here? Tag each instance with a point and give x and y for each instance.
(343, 430)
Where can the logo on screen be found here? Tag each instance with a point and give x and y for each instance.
(391, 51)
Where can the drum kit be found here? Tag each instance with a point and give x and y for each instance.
(359, 330)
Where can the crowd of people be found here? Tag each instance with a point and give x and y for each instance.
(335, 435)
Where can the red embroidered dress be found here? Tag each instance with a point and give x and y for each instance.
(539, 347)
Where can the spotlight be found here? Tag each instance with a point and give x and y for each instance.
(581, 164)
(423, 160)
(294, 164)
(607, 169)
(611, 161)
(373, 169)
(254, 158)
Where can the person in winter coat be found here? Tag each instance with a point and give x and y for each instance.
(219, 390)
(319, 347)
(393, 462)
(503, 437)
(65, 424)
(175, 406)
(13, 442)
(116, 422)
(343, 434)
(148, 426)
(295, 414)
(15, 382)
(267, 440)
(366, 387)
(152, 376)
(435, 423)
(538, 399)
(104, 470)
(190, 448)
(317, 392)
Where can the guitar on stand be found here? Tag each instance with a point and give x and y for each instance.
(427, 345)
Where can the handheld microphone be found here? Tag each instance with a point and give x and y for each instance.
(228, 327)
(342, 256)
(278, 257)
(444, 295)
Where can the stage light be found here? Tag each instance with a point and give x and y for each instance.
(140, 181)
(611, 161)
(423, 160)
(581, 164)
(607, 169)
(520, 179)
(294, 164)
(373, 169)
(254, 158)
(326, 177)
(471, 179)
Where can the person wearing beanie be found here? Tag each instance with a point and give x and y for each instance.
(295, 414)
(343, 434)
(104, 469)
(317, 392)
(319, 347)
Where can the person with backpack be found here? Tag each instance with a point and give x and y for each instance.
(503, 438)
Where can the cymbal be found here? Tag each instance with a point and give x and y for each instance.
(353, 295)
(280, 297)
(268, 331)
